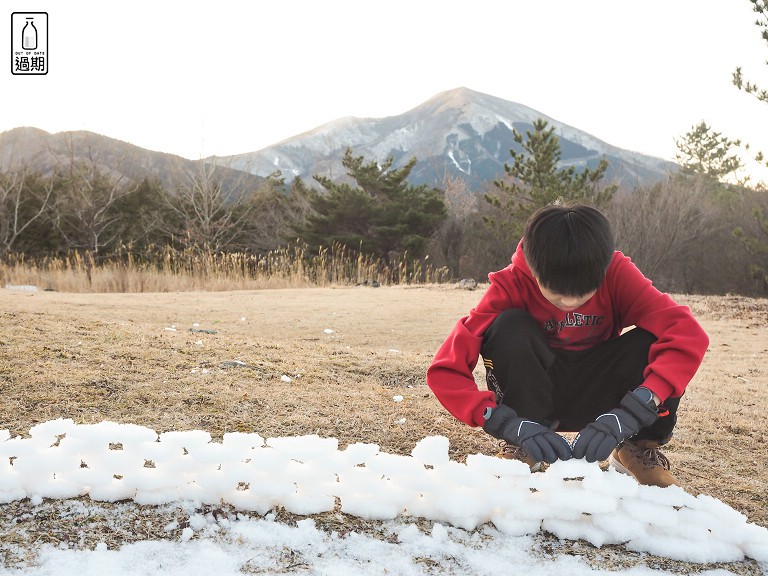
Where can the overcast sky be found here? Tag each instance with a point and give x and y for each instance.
(226, 77)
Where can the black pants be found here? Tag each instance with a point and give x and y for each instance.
(572, 387)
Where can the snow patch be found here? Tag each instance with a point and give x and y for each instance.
(305, 475)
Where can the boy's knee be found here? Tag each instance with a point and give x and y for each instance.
(642, 338)
(512, 319)
(511, 328)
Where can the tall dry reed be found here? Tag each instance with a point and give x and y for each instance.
(169, 270)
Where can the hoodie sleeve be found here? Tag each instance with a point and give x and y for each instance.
(681, 342)
(450, 375)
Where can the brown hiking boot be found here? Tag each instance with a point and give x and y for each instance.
(511, 452)
(643, 460)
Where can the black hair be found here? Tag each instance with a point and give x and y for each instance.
(568, 248)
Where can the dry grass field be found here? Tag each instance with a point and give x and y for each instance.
(215, 361)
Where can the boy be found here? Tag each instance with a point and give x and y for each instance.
(551, 331)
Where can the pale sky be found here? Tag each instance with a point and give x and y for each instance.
(227, 77)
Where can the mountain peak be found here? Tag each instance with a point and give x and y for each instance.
(457, 133)
(461, 132)
(455, 99)
(456, 96)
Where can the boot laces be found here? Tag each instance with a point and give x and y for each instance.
(650, 456)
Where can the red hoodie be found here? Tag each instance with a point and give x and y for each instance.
(625, 298)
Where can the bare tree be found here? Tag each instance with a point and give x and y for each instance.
(23, 199)
(85, 196)
(211, 208)
(450, 241)
(276, 213)
(661, 223)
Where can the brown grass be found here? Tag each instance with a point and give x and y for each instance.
(169, 270)
(94, 357)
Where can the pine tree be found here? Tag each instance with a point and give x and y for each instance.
(704, 151)
(141, 216)
(756, 242)
(382, 215)
(534, 180)
(761, 8)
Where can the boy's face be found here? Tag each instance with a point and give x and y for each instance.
(565, 303)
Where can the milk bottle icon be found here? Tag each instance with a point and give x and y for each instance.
(29, 35)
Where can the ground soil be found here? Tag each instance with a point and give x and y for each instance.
(329, 361)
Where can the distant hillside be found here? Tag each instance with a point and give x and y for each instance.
(460, 132)
(45, 152)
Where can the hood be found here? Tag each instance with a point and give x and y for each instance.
(519, 262)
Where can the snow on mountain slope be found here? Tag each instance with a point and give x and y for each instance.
(461, 132)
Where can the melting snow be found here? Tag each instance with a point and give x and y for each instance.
(308, 474)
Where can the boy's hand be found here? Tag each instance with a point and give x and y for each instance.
(541, 443)
(598, 439)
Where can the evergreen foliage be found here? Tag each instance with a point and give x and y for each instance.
(756, 244)
(535, 179)
(756, 241)
(704, 151)
(761, 9)
(143, 216)
(382, 214)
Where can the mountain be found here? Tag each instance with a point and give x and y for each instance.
(461, 133)
(45, 152)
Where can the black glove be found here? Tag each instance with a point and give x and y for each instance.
(598, 439)
(539, 442)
